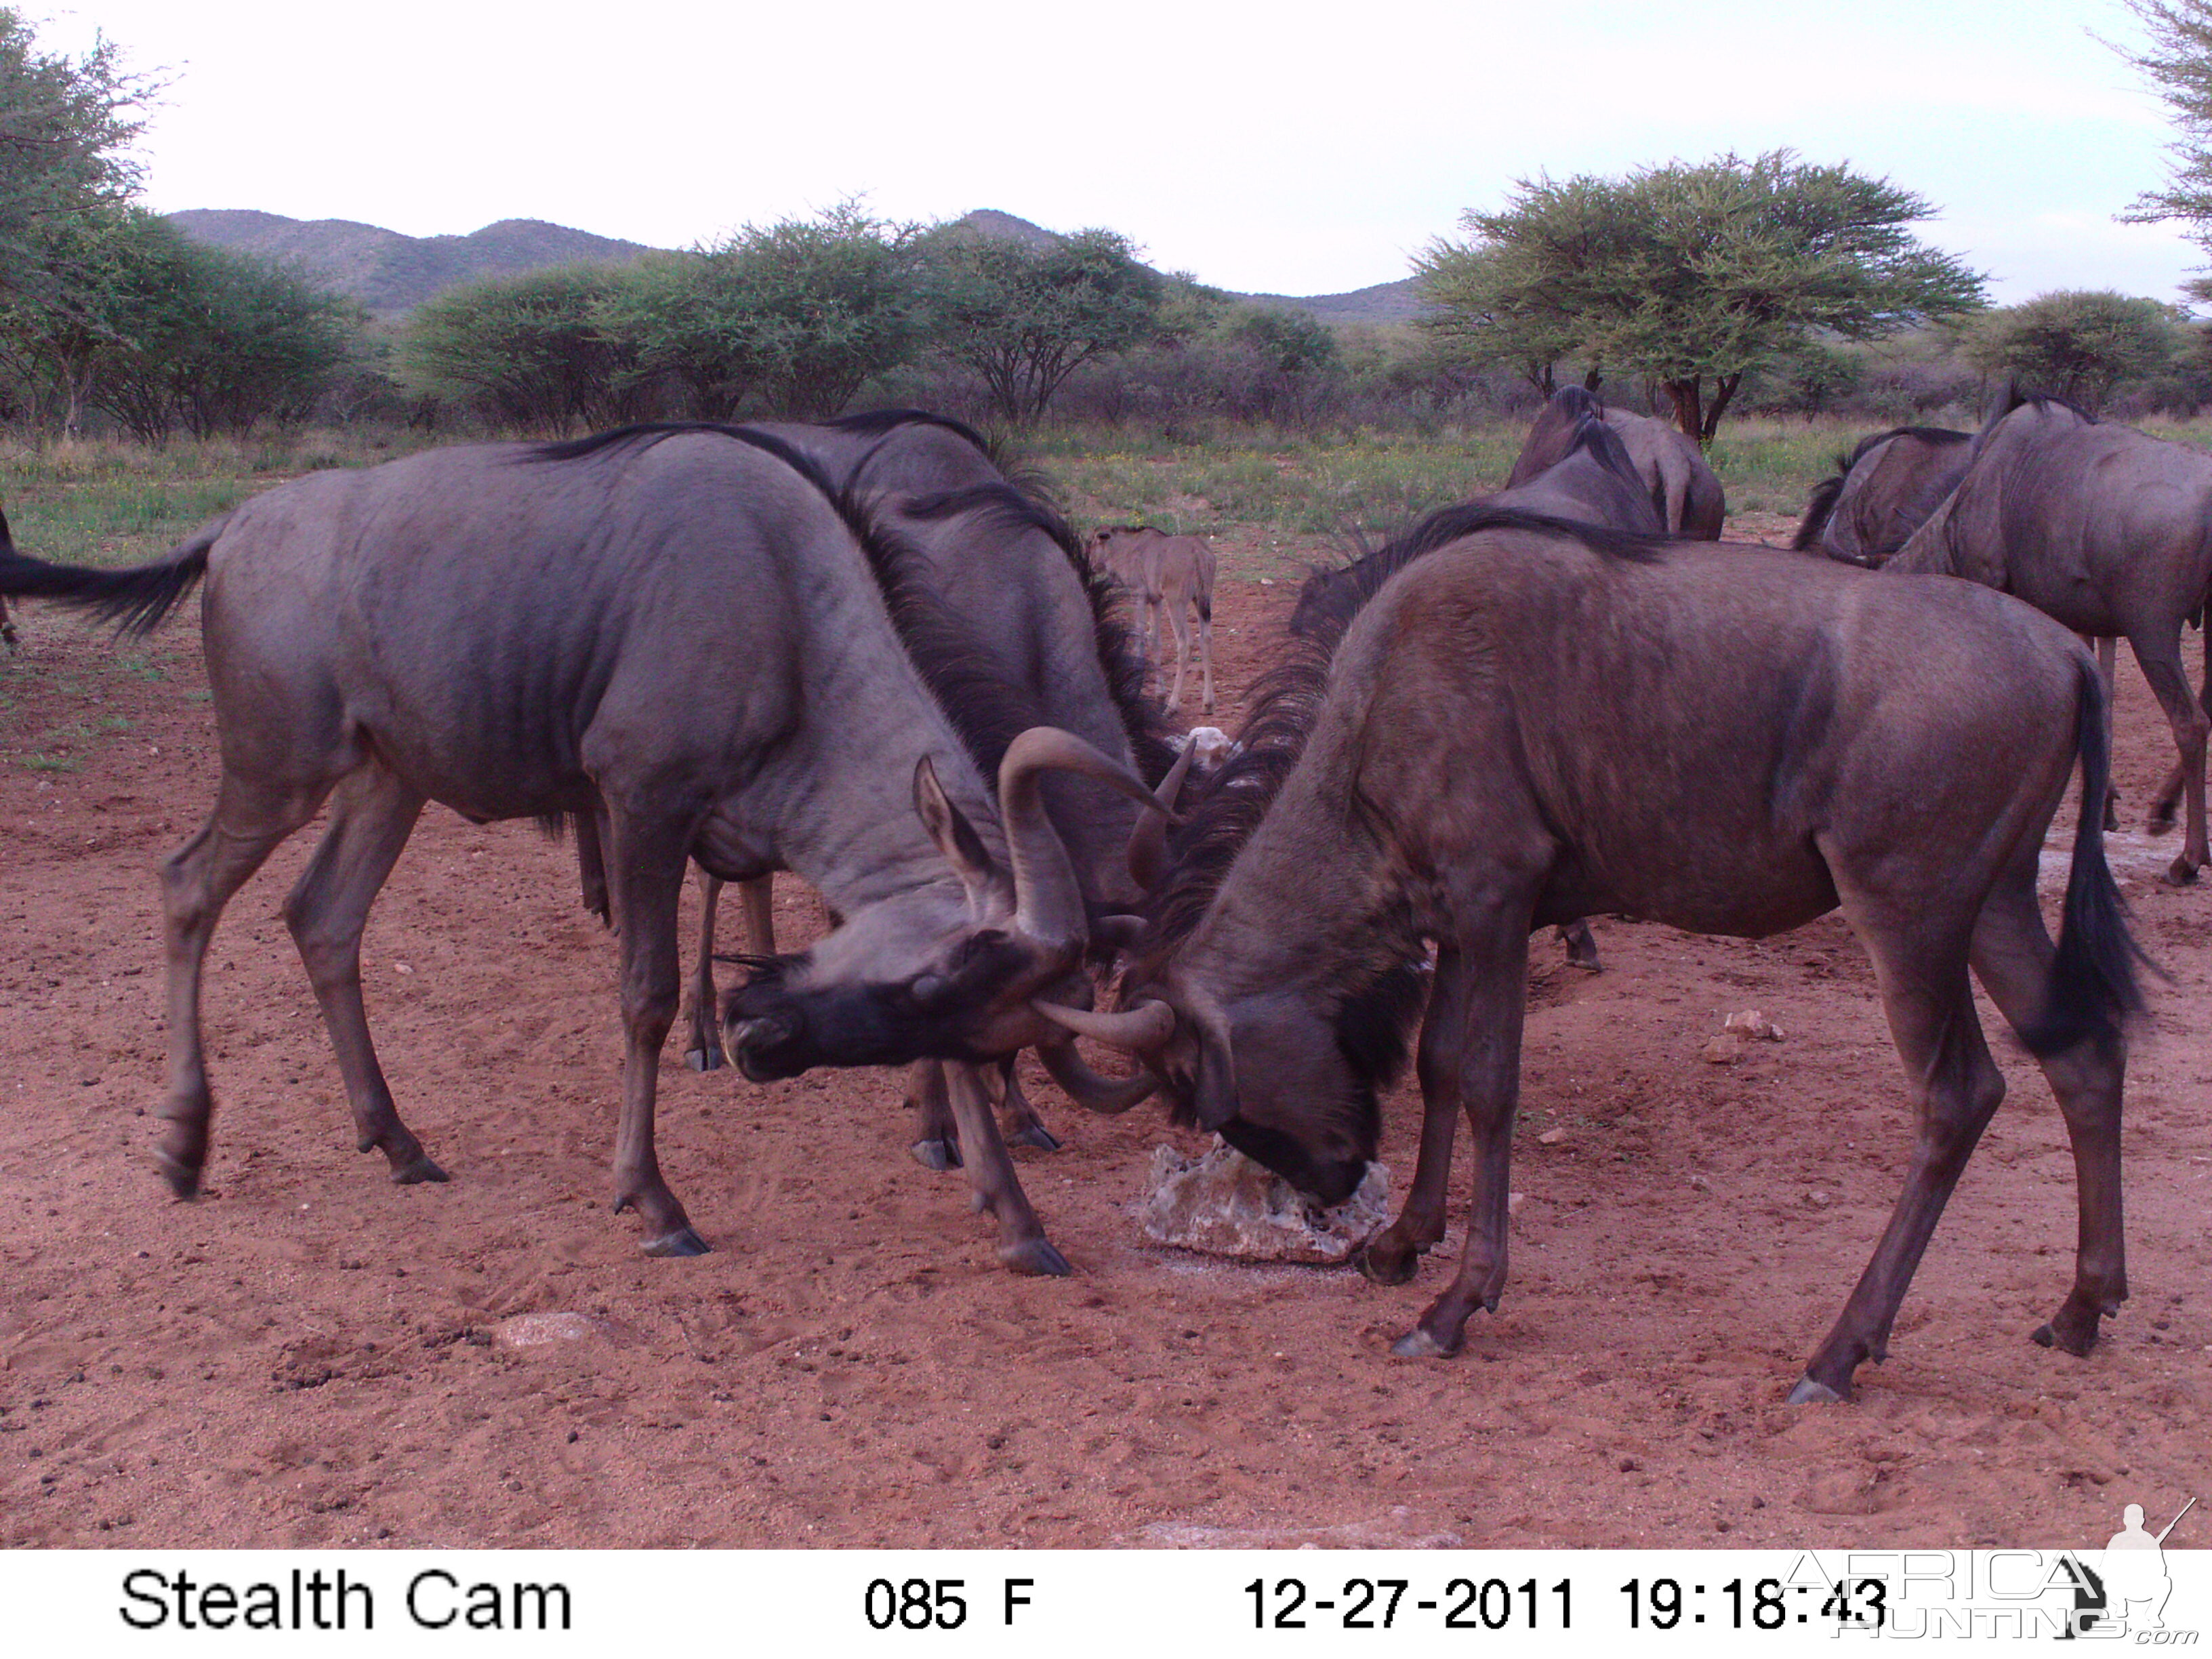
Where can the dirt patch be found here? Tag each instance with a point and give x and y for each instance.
(310, 1356)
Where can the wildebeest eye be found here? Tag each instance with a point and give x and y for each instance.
(928, 988)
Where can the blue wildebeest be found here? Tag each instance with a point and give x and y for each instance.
(1572, 465)
(2108, 531)
(993, 553)
(1172, 577)
(687, 633)
(1733, 741)
(1881, 492)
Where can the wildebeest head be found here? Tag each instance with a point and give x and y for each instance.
(943, 970)
(1286, 1075)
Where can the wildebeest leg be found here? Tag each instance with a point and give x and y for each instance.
(1481, 1052)
(374, 814)
(939, 1148)
(1023, 1125)
(2168, 799)
(1022, 1244)
(702, 1048)
(645, 880)
(1179, 620)
(1582, 945)
(2108, 651)
(1920, 963)
(7, 628)
(1155, 642)
(2161, 661)
(1206, 645)
(591, 866)
(2012, 956)
(1393, 1255)
(249, 821)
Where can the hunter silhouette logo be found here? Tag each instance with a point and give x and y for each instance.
(2135, 1577)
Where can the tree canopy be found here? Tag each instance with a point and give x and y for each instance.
(2080, 344)
(65, 127)
(1024, 318)
(2179, 61)
(1690, 276)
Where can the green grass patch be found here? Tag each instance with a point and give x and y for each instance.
(52, 762)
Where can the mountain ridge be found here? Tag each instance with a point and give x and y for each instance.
(392, 273)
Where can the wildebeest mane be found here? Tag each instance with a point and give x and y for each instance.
(1143, 719)
(969, 680)
(876, 423)
(1288, 696)
(1821, 505)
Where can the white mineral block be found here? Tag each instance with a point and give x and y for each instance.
(1224, 1204)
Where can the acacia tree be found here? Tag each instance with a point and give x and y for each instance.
(1024, 318)
(2082, 344)
(530, 352)
(65, 128)
(1691, 276)
(2179, 61)
(796, 316)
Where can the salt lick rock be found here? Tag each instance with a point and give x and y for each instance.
(1224, 1204)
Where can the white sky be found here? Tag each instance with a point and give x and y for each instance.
(1263, 148)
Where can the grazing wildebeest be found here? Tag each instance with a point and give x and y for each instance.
(1684, 489)
(1572, 465)
(1883, 491)
(1172, 575)
(685, 631)
(1739, 741)
(998, 558)
(2109, 533)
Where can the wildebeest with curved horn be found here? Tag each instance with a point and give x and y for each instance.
(2107, 531)
(1881, 492)
(998, 556)
(1533, 721)
(687, 631)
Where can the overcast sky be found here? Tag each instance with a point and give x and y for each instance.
(1263, 149)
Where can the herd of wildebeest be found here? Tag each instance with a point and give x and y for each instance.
(864, 653)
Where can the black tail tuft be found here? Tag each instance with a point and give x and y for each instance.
(1818, 510)
(136, 601)
(2092, 981)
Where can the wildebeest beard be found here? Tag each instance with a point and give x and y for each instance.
(779, 1031)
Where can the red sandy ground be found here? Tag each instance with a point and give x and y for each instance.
(307, 1358)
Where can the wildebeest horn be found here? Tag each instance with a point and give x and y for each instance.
(1048, 901)
(1143, 1029)
(1148, 842)
(1087, 1088)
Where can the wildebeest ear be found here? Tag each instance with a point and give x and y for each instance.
(955, 836)
(1214, 1097)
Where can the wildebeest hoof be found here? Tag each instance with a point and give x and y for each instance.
(936, 1154)
(2067, 1335)
(183, 1178)
(1384, 1265)
(2182, 874)
(1418, 1344)
(703, 1059)
(683, 1241)
(418, 1169)
(1034, 1257)
(2160, 821)
(1811, 1392)
(1036, 1135)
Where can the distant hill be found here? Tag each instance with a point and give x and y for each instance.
(390, 273)
(1383, 302)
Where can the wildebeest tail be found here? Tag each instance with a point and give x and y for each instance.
(1821, 508)
(134, 600)
(2092, 981)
